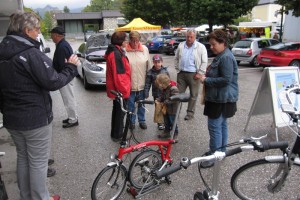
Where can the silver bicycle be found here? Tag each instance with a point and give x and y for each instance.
(274, 177)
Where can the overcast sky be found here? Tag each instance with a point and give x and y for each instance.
(56, 3)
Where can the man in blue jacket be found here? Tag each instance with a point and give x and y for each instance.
(62, 52)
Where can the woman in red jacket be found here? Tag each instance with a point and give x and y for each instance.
(117, 79)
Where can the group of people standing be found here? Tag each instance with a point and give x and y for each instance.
(219, 79)
(27, 75)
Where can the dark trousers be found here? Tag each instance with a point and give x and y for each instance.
(117, 120)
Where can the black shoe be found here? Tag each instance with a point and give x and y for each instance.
(65, 121)
(51, 172)
(131, 126)
(143, 125)
(207, 164)
(50, 161)
(69, 125)
(188, 117)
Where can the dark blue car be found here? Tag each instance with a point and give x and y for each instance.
(156, 43)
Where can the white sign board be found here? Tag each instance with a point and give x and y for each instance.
(273, 80)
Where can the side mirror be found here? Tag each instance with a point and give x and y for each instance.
(80, 55)
(47, 50)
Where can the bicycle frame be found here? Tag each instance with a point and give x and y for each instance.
(159, 143)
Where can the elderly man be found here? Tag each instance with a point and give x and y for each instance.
(62, 52)
(190, 63)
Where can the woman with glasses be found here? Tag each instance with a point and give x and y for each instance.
(26, 77)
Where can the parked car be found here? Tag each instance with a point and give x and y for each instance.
(205, 42)
(248, 49)
(170, 45)
(282, 54)
(92, 68)
(156, 43)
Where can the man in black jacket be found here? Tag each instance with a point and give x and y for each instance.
(62, 52)
(26, 77)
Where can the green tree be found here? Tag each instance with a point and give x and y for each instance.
(157, 12)
(221, 12)
(47, 23)
(293, 5)
(98, 5)
(66, 9)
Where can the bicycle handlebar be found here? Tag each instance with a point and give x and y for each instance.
(257, 145)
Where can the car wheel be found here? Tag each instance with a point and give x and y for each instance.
(85, 83)
(255, 62)
(295, 63)
(160, 50)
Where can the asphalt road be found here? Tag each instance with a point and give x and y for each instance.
(81, 152)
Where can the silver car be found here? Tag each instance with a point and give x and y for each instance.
(92, 68)
(248, 49)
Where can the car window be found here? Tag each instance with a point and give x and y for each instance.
(293, 47)
(273, 42)
(263, 44)
(243, 44)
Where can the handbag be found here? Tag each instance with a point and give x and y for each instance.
(158, 114)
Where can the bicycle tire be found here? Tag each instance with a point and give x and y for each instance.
(102, 188)
(143, 164)
(250, 181)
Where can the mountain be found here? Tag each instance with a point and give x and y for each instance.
(42, 11)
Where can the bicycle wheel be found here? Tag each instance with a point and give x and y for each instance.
(139, 173)
(251, 181)
(110, 183)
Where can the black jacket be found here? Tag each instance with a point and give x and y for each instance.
(150, 81)
(26, 77)
(63, 51)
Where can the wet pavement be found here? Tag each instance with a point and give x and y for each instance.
(81, 152)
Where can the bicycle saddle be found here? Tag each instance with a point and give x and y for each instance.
(182, 97)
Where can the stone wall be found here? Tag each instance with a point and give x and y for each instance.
(110, 23)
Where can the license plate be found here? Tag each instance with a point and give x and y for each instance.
(238, 52)
(266, 59)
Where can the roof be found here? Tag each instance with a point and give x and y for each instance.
(262, 2)
(137, 24)
(88, 15)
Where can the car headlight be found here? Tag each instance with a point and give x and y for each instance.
(94, 67)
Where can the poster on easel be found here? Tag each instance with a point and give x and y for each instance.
(268, 99)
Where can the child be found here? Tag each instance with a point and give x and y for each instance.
(168, 88)
(157, 68)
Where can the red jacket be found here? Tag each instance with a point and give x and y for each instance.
(117, 72)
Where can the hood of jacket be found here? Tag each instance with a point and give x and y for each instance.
(14, 44)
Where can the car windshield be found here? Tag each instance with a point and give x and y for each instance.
(285, 46)
(243, 44)
(98, 42)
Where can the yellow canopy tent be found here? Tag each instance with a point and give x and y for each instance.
(138, 24)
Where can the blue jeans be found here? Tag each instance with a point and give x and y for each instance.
(218, 132)
(169, 121)
(134, 96)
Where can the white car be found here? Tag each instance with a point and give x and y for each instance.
(92, 68)
(248, 49)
